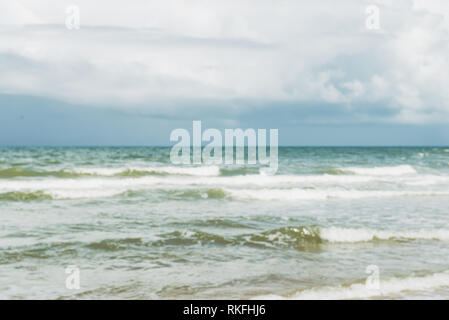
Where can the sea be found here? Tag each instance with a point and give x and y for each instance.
(126, 223)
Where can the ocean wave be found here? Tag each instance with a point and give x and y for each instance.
(152, 178)
(115, 244)
(332, 171)
(96, 190)
(37, 251)
(188, 237)
(241, 171)
(216, 193)
(303, 238)
(142, 171)
(203, 171)
(25, 196)
(395, 286)
(216, 223)
(62, 194)
(15, 172)
(299, 237)
(20, 172)
(62, 189)
(381, 171)
(334, 234)
(306, 194)
(85, 194)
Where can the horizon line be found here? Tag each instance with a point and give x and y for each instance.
(169, 146)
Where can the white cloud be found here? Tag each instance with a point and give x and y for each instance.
(147, 53)
(13, 12)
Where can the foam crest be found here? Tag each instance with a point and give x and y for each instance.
(382, 171)
(396, 287)
(334, 234)
(306, 194)
(191, 171)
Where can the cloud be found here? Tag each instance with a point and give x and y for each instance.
(13, 12)
(234, 57)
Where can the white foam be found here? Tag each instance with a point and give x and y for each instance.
(305, 194)
(84, 194)
(147, 181)
(334, 234)
(244, 188)
(69, 188)
(103, 183)
(382, 171)
(426, 180)
(391, 287)
(264, 181)
(192, 171)
(98, 171)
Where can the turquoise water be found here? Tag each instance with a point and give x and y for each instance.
(138, 227)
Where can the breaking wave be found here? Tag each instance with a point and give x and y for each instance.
(334, 234)
(138, 171)
(111, 172)
(19, 172)
(24, 196)
(307, 194)
(380, 171)
(298, 237)
(395, 287)
(198, 194)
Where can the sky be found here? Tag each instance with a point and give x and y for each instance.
(317, 71)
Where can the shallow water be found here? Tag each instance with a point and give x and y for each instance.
(138, 227)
